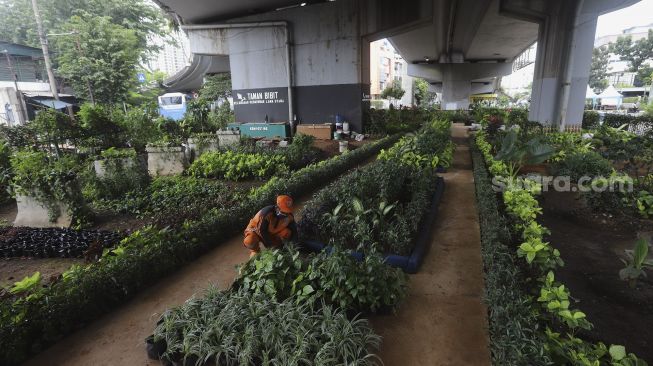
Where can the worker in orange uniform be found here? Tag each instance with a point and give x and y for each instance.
(271, 226)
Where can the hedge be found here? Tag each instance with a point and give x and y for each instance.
(515, 337)
(636, 124)
(85, 293)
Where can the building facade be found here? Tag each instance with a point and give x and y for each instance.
(173, 56)
(386, 66)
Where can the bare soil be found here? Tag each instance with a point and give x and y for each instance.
(15, 269)
(591, 251)
(443, 321)
(330, 148)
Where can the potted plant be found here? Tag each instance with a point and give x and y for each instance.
(166, 157)
(46, 190)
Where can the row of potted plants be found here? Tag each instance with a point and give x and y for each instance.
(84, 293)
(552, 308)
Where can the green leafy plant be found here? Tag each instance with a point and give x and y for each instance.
(238, 166)
(540, 253)
(644, 203)
(271, 272)
(240, 328)
(115, 153)
(533, 151)
(555, 299)
(636, 262)
(27, 284)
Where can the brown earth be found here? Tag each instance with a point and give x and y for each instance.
(592, 252)
(15, 269)
(443, 321)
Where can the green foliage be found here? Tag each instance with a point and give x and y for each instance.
(515, 150)
(102, 131)
(114, 153)
(590, 120)
(430, 148)
(421, 92)
(5, 170)
(232, 165)
(339, 279)
(54, 128)
(27, 284)
(637, 54)
(140, 126)
(574, 351)
(636, 261)
(580, 164)
(644, 204)
(271, 273)
(599, 69)
(50, 181)
(216, 87)
(147, 255)
(393, 91)
(515, 336)
(100, 58)
(123, 173)
(389, 121)
(237, 328)
(555, 299)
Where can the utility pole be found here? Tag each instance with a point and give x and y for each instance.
(46, 55)
(19, 95)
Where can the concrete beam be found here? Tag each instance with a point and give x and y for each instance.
(467, 71)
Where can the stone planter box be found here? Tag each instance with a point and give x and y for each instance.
(228, 137)
(100, 166)
(35, 214)
(197, 147)
(166, 160)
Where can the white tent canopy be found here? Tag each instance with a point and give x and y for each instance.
(590, 94)
(611, 96)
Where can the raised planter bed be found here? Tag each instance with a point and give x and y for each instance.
(162, 161)
(100, 166)
(198, 146)
(228, 137)
(408, 263)
(33, 213)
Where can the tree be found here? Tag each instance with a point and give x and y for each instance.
(421, 92)
(17, 19)
(393, 91)
(599, 69)
(99, 58)
(637, 54)
(216, 87)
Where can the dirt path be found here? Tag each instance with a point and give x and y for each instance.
(443, 321)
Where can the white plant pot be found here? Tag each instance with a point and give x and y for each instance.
(35, 214)
(164, 161)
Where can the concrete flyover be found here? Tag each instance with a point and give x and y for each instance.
(310, 61)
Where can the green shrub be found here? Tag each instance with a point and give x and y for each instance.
(5, 171)
(590, 120)
(50, 181)
(100, 127)
(238, 166)
(140, 126)
(580, 164)
(123, 173)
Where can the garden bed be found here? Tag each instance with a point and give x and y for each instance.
(592, 265)
(408, 263)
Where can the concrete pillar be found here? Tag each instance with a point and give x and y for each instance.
(562, 65)
(455, 92)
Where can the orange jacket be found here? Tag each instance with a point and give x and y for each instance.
(268, 222)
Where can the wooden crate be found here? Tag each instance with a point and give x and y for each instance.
(322, 131)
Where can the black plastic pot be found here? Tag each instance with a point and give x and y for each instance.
(155, 349)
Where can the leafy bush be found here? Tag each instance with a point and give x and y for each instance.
(390, 121)
(140, 126)
(50, 181)
(271, 272)
(237, 328)
(123, 173)
(590, 120)
(375, 187)
(238, 166)
(5, 171)
(580, 164)
(100, 127)
(431, 147)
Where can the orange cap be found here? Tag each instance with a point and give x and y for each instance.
(284, 203)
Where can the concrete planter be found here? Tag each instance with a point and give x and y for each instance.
(35, 214)
(101, 170)
(228, 137)
(166, 160)
(197, 147)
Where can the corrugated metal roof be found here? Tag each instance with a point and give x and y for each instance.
(20, 50)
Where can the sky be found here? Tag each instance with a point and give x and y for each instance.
(613, 23)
